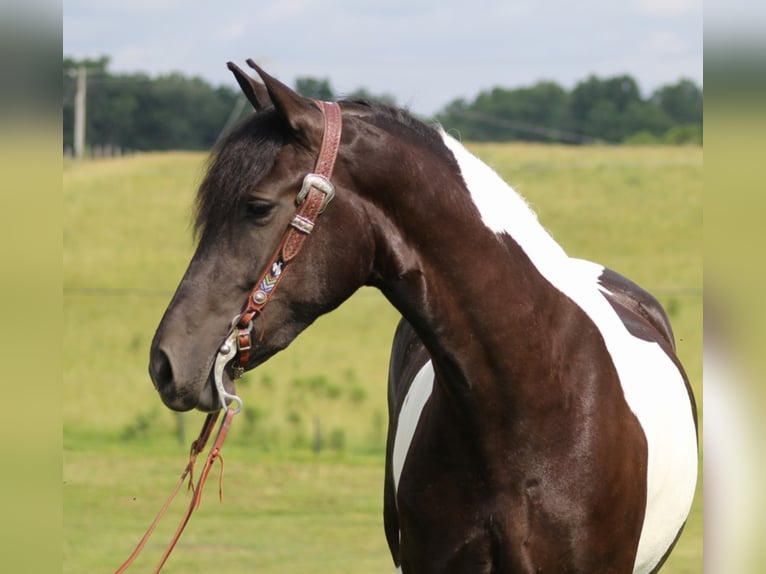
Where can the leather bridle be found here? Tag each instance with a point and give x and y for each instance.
(316, 192)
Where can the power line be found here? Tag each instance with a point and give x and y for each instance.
(550, 133)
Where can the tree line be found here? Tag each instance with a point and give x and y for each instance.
(609, 110)
(139, 112)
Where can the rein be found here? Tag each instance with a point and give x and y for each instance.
(316, 193)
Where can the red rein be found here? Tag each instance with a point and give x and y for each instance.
(197, 447)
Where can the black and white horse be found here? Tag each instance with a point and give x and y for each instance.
(540, 420)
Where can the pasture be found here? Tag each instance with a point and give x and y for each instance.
(304, 462)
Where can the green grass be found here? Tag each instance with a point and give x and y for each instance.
(127, 242)
(279, 514)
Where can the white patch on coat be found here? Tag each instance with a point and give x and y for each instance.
(653, 387)
(409, 415)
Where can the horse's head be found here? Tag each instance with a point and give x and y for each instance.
(244, 207)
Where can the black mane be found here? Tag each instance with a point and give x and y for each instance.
(398, 120)
(247, 153)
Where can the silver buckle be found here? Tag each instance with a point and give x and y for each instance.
(321, 183)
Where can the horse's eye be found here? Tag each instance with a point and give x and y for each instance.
(258, 210)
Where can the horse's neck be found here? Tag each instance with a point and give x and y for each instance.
(478, 307)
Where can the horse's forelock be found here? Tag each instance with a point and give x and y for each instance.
(238, 162)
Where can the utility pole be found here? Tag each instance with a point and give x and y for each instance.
(79, 112)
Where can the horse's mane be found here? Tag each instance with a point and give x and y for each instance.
(247, 153)
(402, 122)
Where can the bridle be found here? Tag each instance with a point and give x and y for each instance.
(316, 193)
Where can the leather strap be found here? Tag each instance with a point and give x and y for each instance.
(318, 194)
(330, 139)
(215, 453)
(197, 447)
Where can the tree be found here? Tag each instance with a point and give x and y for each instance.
(622, 91)
(644, 116)
(682, 101)
(138, 112)
(684, 134)
(585, 95)
(536, 113)
(176, 112)
(603, 101)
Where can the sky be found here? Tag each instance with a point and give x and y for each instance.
(425, 53)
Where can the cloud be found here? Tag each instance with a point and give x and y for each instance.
(669, 8)
(232, 31)
(132, 57)
(118, 9)
(662, 44)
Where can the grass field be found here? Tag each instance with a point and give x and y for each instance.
(127, 242)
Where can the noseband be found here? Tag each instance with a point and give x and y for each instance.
(316, 193)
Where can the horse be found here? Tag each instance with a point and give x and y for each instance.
(539, 418)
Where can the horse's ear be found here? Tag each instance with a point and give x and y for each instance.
(302, 114)
(255, 91)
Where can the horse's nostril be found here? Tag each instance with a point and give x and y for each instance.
(160, 370)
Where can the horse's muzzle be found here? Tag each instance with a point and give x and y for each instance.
(179, 395)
